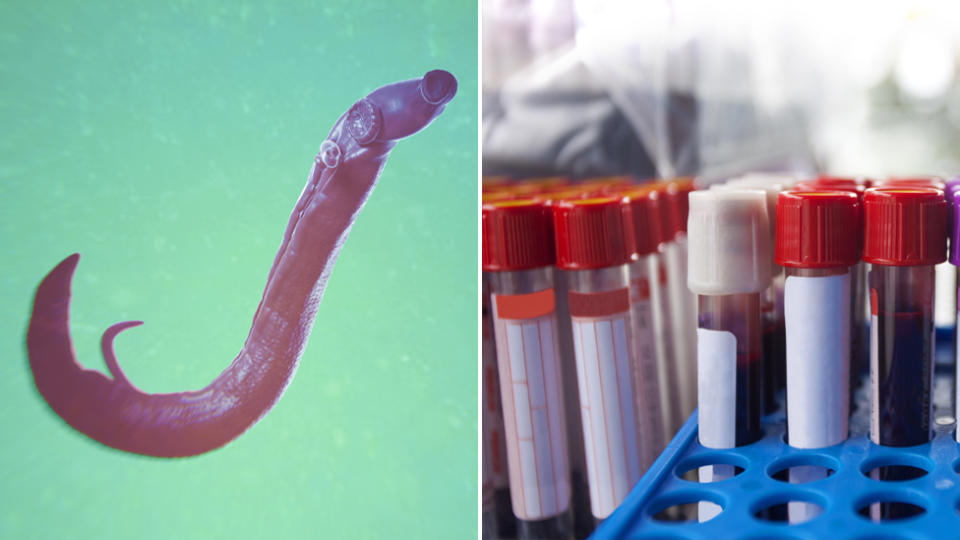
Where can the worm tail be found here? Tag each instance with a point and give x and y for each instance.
(113, 411)
(49, 348)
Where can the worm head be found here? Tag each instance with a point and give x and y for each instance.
(400, 109)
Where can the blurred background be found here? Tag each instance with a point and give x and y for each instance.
(660, 88)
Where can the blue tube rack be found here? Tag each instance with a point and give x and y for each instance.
(840, 495)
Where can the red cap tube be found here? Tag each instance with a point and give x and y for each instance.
(904, 226)
(516, 235)
(642, 221)
(677, 205)
(817, 229)
(590, 233)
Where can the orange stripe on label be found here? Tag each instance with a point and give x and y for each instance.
(873, 302)
(524, 306)
(600, 304)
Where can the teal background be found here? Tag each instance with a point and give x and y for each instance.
(167, 143)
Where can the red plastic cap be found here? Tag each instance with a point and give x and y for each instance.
(817, 229)
(642, 221)
(832, 183)
(516, 235)
(676, 206)
(590, 233)
(911, 182)
(904, 226)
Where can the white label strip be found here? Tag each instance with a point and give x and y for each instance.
(607, 408)
(533, 416)
(818, 359)
(717, 388)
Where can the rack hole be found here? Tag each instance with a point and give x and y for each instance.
(802, 469)
(685, 507)
(711, 467)
(788, 509)
(886, 511)
(896, 469)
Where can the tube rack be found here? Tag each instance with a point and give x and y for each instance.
(840, 495)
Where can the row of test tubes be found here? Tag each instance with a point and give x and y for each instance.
(589, 348)
(851, 265)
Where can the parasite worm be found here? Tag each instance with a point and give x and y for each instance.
(111, 410)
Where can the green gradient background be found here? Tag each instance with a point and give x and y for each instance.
(167, 144)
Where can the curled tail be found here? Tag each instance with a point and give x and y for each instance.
(113, 411)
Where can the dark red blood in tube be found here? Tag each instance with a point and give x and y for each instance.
(903, 373)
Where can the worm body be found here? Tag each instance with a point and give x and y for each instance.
(111, 410)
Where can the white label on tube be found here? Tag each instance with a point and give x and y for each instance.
(717, 410)
(602, 350)
(717, 387)
(532, 411)
(818, 359)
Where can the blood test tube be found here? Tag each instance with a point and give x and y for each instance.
(729, 269)
(643, 235)
(494, 445)
(517, 254)
(818, 242)
(904, 238)
(683, 310)
(591, 248)
(663, 347)
(583, 520)
(859, 331)
(955, 260)
(771, 306)
(950, 193)
(663, 274)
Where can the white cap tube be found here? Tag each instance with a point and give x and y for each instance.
(728, 242)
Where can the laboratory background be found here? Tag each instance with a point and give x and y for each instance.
(718, 265)
(167, 143)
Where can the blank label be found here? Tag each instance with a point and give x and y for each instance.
(533, 414)
(602, 349)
